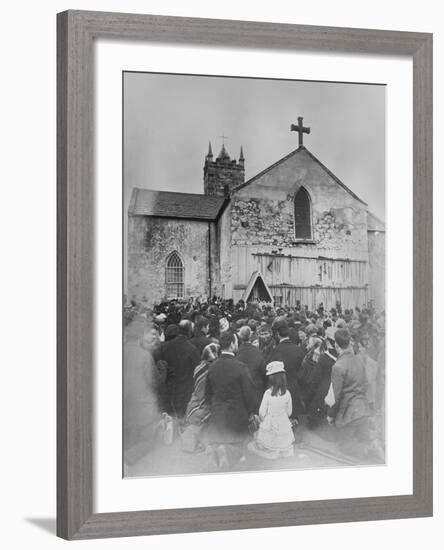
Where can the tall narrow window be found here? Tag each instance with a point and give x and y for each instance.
(302, 215)
(174, 276)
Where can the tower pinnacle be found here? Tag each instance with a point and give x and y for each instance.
(241, 156)
(223, 173)
(210, 151)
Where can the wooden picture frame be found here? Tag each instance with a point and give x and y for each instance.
(76, 32)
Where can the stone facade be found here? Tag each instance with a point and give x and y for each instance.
(225, 254)
(224, 174)
(332, 265)
(263, 210)
(376, 248)
(271, 222)
(150, 242)
(254, 230)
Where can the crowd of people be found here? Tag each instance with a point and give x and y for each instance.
(231, 379)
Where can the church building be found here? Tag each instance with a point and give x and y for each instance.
(294, 233)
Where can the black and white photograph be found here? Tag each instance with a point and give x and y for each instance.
(222, 236)
(253, 274)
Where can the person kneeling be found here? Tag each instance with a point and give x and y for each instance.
(274, 437)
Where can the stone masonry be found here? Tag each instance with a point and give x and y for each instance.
(224, 174)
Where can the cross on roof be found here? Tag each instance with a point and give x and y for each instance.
(300, 129)
(223, 138)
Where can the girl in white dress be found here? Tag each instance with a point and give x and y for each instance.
(274, 437)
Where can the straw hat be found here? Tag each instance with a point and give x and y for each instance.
(274, 367)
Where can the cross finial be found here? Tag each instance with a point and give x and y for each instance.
(223, 139)
(300, 128)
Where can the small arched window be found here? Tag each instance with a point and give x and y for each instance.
(302, 215)
(174, 276)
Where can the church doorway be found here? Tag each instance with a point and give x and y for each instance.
(257, 289)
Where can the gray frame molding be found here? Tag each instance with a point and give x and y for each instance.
(76, 31)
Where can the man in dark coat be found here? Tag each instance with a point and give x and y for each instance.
(252, 358)
(182, 358)
(232, 398)
(293, 330)
(317, 409)
(291, 355)
(201, 329)
(350, 410)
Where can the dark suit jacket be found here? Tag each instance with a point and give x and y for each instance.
(182, 358)
(200, 341)
(232, 397)
(325, 363)
(252, 357)
(291, 355)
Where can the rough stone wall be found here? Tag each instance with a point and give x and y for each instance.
(214, 284)
(225, 254)
(263, 211)
(151, 241)
(271, 222)
(376, 246)
(262, 225)
(220, 174)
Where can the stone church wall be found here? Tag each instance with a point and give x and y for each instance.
(226, 265)
(332, 265)
(151, 241)
(222, 174)
(376, 246)
(263, 211)
(271, 222)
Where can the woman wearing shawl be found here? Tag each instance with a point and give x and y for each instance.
(317, 410)
(198, 411)
(309, 375)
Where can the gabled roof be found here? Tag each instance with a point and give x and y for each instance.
(374, 223)
(295, 152)
(166, 204)
(254, 277)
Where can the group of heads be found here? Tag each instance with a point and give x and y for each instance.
(311, 328)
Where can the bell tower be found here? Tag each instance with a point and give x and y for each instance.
(223, 174)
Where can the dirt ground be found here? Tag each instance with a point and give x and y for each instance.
(312, 449)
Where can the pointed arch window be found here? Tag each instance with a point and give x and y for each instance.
(174, 276)
(302, 216)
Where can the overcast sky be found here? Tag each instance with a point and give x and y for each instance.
(169, 120)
